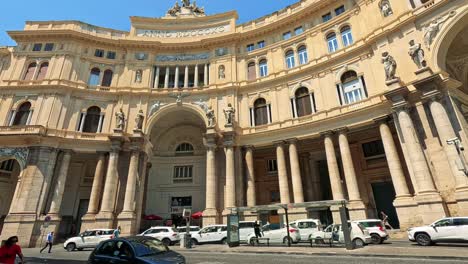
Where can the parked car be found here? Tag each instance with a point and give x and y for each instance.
(276, 234)
(211, 234)
(134, 250)
(376, 229)
(446, 230)
(359, 235)
(192, 230)
(306, 227)
(88, 239)
(245, 229)
(167, 235)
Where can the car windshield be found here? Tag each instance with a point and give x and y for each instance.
(148, 247)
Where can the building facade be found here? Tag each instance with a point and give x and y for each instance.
(363, 100)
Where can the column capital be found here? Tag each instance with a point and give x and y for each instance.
(342, 130)
(328, 133)
(68, 151)
(279, 143)
(383, 119)
(292, 140)
(249, 147)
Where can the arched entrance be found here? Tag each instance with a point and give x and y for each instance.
(177, 177)
(10, 170)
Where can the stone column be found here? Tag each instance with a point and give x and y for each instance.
(446, 132)
(57, 196)
(308, 188)
(156, 77)
(166, 78)
(295, 172)
(429, 201)
(96, 193)
(176, 77)
(211, 215)
(106, 215)
(404, 202)
(83, 118)
(230, 195)
(196, 77)
(357, 209)
(282, 173)
(186, 77)
(315, 174)
(334, 173)
(249, 162)
(206, 75)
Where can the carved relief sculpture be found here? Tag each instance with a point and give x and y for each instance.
(229, 114)
(390, 66)
(417, 54)
(139, 120)
(386, 8)
(120, 118)
(155, 107)
(431, 31)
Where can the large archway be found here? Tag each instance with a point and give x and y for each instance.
(176, 179)
(10, 171)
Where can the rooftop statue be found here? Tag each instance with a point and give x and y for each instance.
(187, 9)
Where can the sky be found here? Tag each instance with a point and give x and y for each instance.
(115, 13)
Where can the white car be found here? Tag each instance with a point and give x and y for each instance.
(167, 235)
(359, 235)
(306, 227)
(276, 234)
(88, 239)
(192, 230)
(376, 229)
(245, 229)
(211, 234)
(446, 230)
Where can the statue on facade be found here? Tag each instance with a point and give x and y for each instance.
(431, 31)
(417, 54)
(186, 3)
(229, 114)
(210, 114)
(120, 117)
(390, 66)
(139, 120)
(386, 8)
(175, 10)
(179, 97)
(186, 8)
(138, 76)
(221, 74)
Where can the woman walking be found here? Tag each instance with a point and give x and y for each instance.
(10, 250)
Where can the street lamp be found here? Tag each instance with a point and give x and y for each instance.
(461, 162)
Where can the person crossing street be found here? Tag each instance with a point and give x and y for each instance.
(49, 241)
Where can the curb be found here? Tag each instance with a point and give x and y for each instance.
(357, 255)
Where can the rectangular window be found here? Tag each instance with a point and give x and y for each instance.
(272, 166)
(250, 47)
(340, 10)
(352, 91)
(111, 55)
(298, 30)
(263, 70)
(99, 53)
(287, 35)
(7, 165)
(183, 174)
(332, 44)
(49, 47)
(326, 17)
(261, 44)
(373, 149)
(37, 47)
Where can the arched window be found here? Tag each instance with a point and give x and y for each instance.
(42, 71)
(332, 42)
(261, 112)
(303, 102)
(303, 56)
(21, 116)
(184, 149)
(251, 71)
(346, 36)
(290, 61)
(352, 88)
(92, 120)
(107, 78)
(263, 68)
(29, 75)
(94, 77)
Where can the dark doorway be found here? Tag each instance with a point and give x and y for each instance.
(82, 210)
(384, 195)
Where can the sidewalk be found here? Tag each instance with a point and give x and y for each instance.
(435, 252)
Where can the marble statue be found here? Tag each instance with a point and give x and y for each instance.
(186, 3)
(417, 54)
(390, 66)
(431, 31)
(179, 97)
(120, 117)
(155, 107)
(221, 73)
(175, 10)
(139, 120)
(229, 114)
(138, 76)
(386, 8)
(210, 114)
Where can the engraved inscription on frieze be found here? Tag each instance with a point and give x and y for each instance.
(183, 33)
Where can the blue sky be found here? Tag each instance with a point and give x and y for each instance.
(115, 14)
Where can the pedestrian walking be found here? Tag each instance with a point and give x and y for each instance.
(257, 229)
(49, 241)
(117, 232)
(385, 220)
(10, 250)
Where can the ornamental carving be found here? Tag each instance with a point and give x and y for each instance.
(433, 29)
(155, 107)
(186, 9)
(19, 154)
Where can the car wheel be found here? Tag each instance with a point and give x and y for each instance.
(423, 239)
(166, 241)
(376, 239)
(194, 241)
(224, 241)
(251, 242)
(70, 247)
(285, 240)
(358, 243)
(319, 241)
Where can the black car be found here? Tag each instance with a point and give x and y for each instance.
(134, 250)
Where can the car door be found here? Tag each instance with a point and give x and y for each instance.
(444, 230)
(89, 239)
(207, 234)
(221, 233)
(110, 252)
(461, 225)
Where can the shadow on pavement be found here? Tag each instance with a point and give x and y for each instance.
(53, 261)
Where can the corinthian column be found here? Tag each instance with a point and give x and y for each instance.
(96, 191)
(210, 214)
(230, 195)
(249, 162)
(282, 173)
(57, 197)
(295, 172)
(348, 166)
(333, 169)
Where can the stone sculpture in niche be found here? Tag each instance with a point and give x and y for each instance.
(120, 118)
(390, 66)
(222, 73)
(386, 8)
(229, 114)
(139, 120)
(210, 114)
(417, 54)
(138, 76)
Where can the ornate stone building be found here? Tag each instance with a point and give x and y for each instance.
(363, 100)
